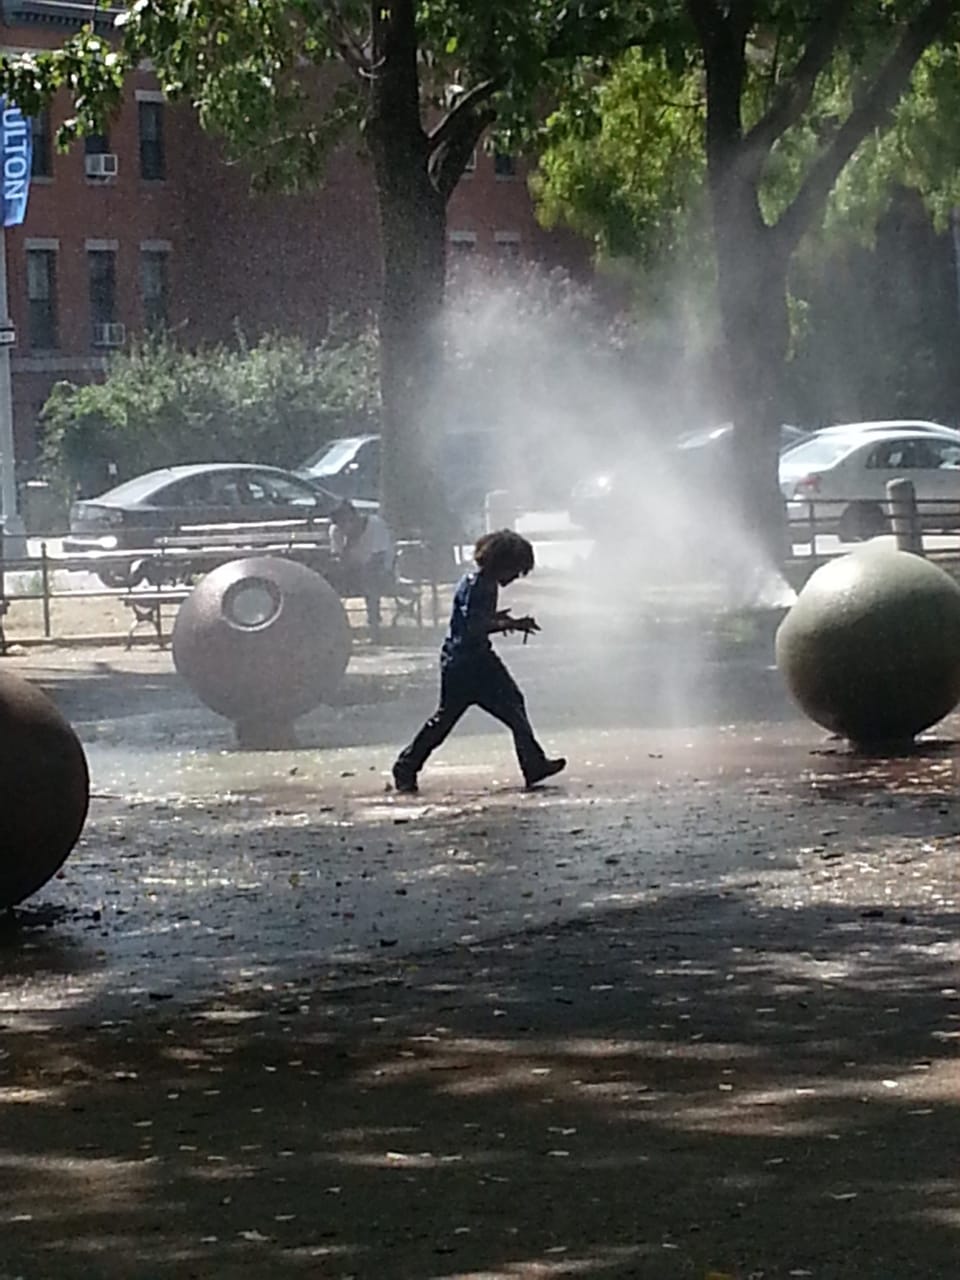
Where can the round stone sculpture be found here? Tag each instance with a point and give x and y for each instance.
(262, 641)
(871, 649)
(46, 789)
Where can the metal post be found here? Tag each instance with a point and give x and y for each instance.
(45, 586)
(12, 523)
(3, 602)
(904, 519)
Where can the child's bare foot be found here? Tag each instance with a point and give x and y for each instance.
(545, 770)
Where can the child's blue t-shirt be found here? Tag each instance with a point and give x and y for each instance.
(474, 609)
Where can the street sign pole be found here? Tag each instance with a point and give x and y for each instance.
(13, 529)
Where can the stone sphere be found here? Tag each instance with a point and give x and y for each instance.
(262, 641)
(46, 789)
(871, 649)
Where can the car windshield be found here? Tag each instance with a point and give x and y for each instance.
(333, 456)
(818, 452)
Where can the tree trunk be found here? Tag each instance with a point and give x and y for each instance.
(413, 246)
(413, 237)
(752, 278)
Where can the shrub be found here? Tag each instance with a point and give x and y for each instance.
(275, 402)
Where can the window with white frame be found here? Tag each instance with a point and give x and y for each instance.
(102, 270)
(154, 286)
(42, 328)
(41, 164)
(508, 245)
(504, 164)
(153, 160)
(462, 242)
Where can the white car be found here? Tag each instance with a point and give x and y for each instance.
(839, 477)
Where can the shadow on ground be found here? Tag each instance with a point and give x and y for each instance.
(701, 1086)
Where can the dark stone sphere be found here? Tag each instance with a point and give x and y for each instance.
(46, 789)
(871, 649)
(262, 641)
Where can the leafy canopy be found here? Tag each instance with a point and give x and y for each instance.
(624, 157)
(260, 72)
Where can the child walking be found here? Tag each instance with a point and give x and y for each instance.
(471, 674)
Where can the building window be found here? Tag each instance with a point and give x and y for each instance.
(153, 164)
(96, 144)
(42, 164)
(153, 284)
(42, 299)
(463, 241)
(504, 164)
(102, 264)
(508, 245)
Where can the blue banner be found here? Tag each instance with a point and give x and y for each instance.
(17, 153)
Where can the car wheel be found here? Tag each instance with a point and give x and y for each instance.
(116, 576)
(860, 521)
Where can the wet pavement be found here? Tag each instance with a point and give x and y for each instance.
(690, 1013)
(206, 868)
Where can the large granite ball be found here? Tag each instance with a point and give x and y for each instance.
(46, 789)
(262, 641)
(871, 649)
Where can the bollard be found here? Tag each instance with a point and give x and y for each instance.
(904, 517)
(262, 641)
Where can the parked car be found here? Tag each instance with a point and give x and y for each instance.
(692, 466)
(841, 473)
(469, 463)
(133, 515)
(882, 424)
(348, 466)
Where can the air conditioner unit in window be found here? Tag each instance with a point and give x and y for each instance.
(109, 335)
(102, 164)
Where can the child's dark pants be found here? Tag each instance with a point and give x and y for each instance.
(486, 683)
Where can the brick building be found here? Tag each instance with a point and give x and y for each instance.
(148, 225)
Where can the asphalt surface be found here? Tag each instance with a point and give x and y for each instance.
(691, 1012)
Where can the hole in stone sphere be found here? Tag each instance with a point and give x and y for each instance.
(251, 604)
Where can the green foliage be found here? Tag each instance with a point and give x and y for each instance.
(623, 160)
(275, 403)
(259, 74)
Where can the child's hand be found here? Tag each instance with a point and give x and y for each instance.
(526, 624)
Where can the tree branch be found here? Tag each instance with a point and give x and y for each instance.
(872, 112)
(795, 94)
(463, 108)
(449, 160)
(345, 40)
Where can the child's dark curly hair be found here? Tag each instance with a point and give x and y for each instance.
(504, 551)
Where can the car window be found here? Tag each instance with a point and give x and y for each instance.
(905, 455)
(368, 459)
(280, 491)
(926, 454)
(195, 491)
(334, 455)
(819, 452)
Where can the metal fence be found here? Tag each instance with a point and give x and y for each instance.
(141, 588)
